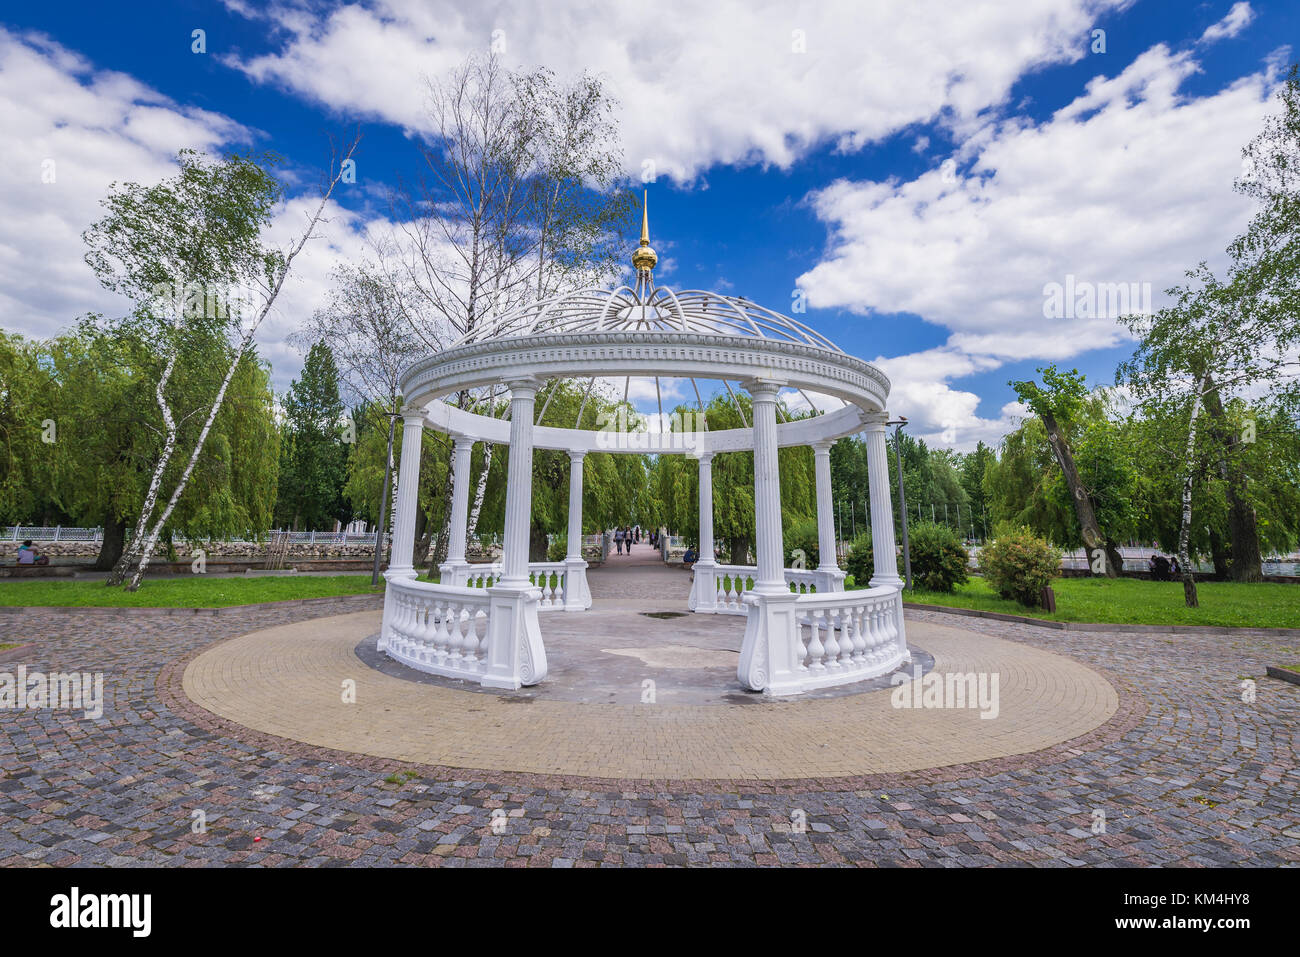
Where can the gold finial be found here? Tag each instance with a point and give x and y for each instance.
(644, 257)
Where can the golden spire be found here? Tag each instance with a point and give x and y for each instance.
(644, 257)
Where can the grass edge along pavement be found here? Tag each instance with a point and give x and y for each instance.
(190, 592)
(1082, 600)
(1135, 601)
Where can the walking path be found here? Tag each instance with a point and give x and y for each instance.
(1183, 772)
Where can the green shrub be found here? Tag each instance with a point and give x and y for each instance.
(939, 559)
(558, 548)
(803, 534)
(857, 559)
(1019, 565)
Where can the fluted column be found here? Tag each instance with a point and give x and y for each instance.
(825, 508)
(460, 461)
(706, 507)
(885, 559)
(519, 483)
(770, 544)
(575, 505)
(408, 490)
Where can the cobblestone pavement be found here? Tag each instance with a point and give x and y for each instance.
(1186, 773)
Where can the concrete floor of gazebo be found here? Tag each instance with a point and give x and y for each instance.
(592, 716)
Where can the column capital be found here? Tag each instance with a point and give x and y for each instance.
(875, 422)
(411, 415)
(823, 446)
(523, 386)
(704, 456)
(577, 455)
(462, 441)
(761, 388)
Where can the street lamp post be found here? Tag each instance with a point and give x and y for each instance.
(383, 502)
(902, 495)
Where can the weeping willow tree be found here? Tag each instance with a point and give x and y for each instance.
(676, 482)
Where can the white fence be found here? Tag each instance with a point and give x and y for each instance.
(68, 533)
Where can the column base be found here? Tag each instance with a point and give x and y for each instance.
(704, 586)
(832, 578)
(515, 653)
(454, 571)
(769, 656)
(577, 595)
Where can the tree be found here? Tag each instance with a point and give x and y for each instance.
(1057, 402)
(313, 466)
(180, 250)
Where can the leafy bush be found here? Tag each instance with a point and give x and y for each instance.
(858, 560)
(803, 534)
(558, 548)
(939, 559)
(1019, 564)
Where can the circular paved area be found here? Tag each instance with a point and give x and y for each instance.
(287, 681)
(1185, 772)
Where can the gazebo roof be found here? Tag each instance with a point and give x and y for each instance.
(648, 308)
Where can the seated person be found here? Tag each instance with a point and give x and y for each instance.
(690, 558)
(27, 554)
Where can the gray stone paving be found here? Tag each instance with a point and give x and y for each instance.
(1201, 778)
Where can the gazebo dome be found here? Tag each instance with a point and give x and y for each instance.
(648, 309)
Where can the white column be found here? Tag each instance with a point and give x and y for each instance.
(516, 655)
(769, 656)
(825, 507)
(575, 504)
(706, 507)
(577, 594)
(770, 545)
(882, 509)
(519, 483)
(408, 489)
(704, 585)
(460, 460)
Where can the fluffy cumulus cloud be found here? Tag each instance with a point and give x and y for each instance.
(70, 131)
(1118, 192)
(1238, 19)
(729, 81)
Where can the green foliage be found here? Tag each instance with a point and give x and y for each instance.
(859, 560)
(1019, 564)
(939, 559)
(802, 534)
(313, 465)
(558, 548)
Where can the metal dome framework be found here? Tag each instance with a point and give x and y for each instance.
(491, 634)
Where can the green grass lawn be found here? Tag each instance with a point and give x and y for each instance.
(1134, 601)
(188, 592)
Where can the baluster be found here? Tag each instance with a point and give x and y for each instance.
(481, 629)
(815, 647)
(832, 645)
(464, 638)
(845, 618)
(860, 623)
(442, 637)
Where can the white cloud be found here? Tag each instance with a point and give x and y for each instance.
(1131, 182)
(95, 127)
(1238, 18)
(700, 84)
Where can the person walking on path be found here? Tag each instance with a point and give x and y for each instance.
(618, 539)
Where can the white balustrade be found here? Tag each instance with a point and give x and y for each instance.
(798, 643)
(726, 584)
(551, 578)
(439, 629)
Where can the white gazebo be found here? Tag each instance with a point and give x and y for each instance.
(481, 622)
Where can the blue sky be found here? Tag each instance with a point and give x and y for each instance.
(919, 173)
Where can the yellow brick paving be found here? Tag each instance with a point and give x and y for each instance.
(288, 681)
